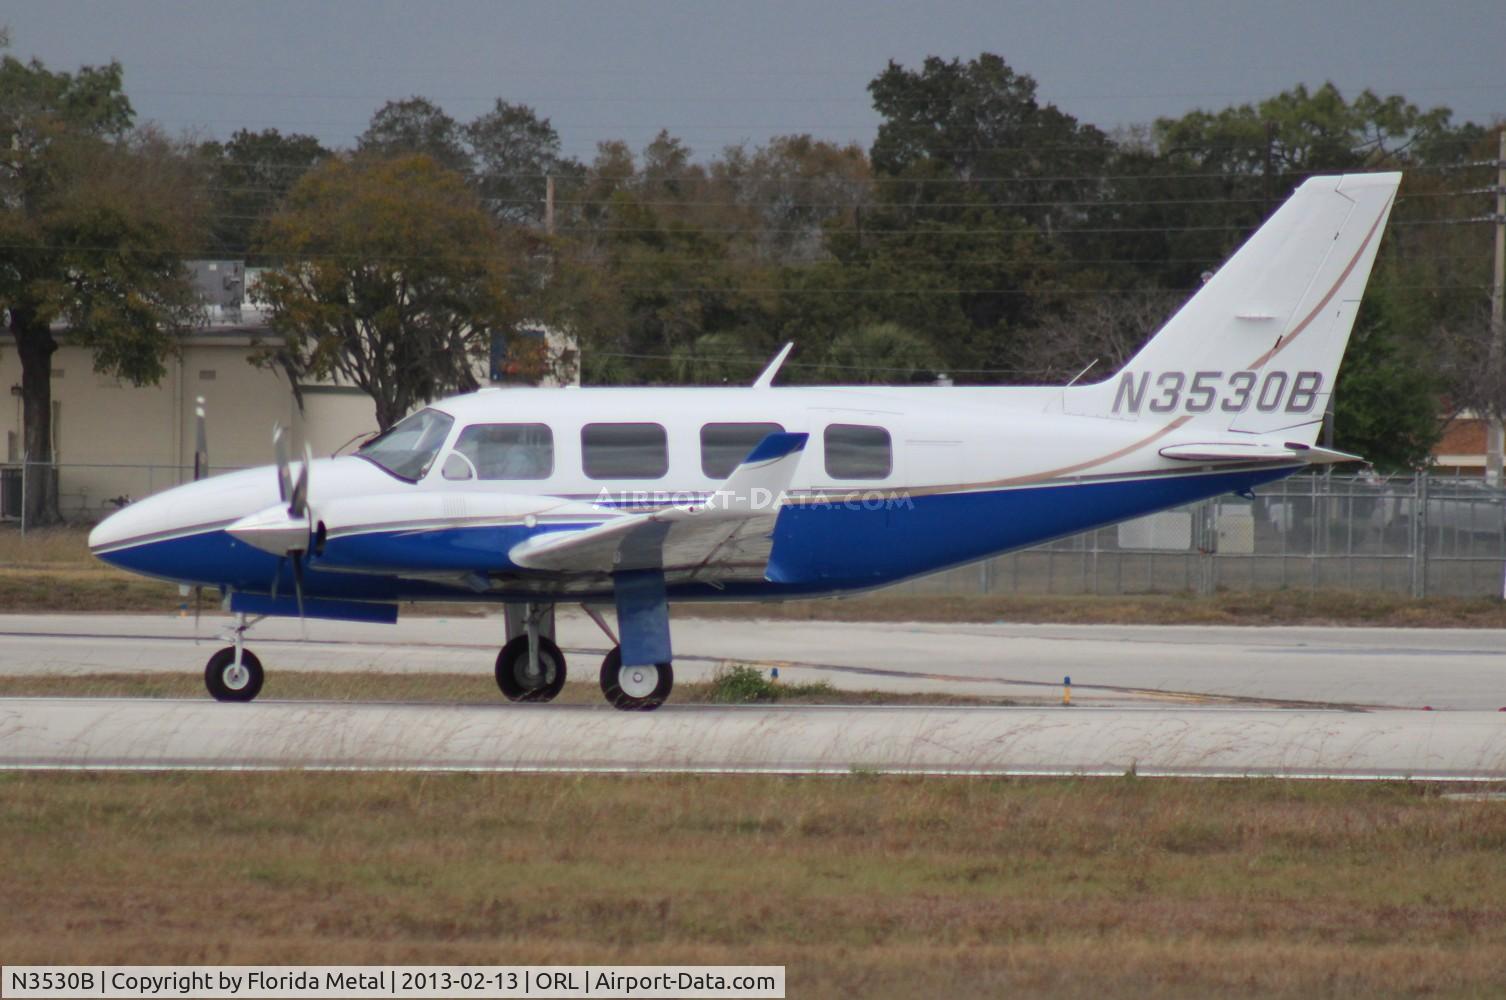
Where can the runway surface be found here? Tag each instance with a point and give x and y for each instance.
(1309, 702)
(87, 733)
(1108, 664)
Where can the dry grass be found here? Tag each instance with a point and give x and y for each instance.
(447, 689)
(53, 571)
(861, 886)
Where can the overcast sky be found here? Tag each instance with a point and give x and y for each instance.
(715, 73)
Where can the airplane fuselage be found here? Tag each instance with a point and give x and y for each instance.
(894, 483)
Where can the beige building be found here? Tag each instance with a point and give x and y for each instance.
(114, 441)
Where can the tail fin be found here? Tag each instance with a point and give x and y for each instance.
(1257, 349)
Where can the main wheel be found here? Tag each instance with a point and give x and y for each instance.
(635, 689)
(228, 682)
(519, 683)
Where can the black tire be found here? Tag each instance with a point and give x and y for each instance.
(222, 682)
(512, 671)
(612, 683)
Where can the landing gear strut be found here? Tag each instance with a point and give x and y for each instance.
(234, 673)
(531, 667)
(530, 678)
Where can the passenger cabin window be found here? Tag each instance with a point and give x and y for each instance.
(724, 446)
(857, 451)
(408, 447)
(624, 451)
(502, 451)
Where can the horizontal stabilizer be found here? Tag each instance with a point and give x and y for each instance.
(1256, 451)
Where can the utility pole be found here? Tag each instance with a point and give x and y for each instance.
(549, 204)
(1270, 151)
(1495, 443)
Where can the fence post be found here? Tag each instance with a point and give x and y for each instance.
(1420, 543)
(25, 462)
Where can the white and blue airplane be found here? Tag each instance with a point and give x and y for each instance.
(634, 498)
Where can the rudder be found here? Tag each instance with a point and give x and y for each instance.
(1257, 349)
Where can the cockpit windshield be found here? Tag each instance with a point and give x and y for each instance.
(408, 447)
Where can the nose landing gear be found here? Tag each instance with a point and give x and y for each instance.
(234, 673)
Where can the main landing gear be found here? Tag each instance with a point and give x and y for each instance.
(636, 676)
(635, 689)
(531, 667)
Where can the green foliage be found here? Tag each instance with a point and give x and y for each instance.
(740, 684)
(251, 174)
(1386, 404)
(392, 278)
(416, 126)
(95, 220)
(986, 233)
(514, 152)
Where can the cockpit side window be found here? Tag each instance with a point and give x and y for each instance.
(407, 449)
(505, 451)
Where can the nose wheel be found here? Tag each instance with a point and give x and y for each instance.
(523, 678)
(635, 688)
(229, 680)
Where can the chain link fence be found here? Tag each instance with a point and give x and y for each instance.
(1424, 536)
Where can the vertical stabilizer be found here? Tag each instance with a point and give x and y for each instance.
(1257, 349)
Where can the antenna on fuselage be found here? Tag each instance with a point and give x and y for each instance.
(766, 379)
(1081, 374)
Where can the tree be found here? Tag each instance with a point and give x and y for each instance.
(979, 186)
(791, 189)
(252, 173)
(1100, 330)
(391, 277)
(94, 224)
(514, 152)
(415, 125)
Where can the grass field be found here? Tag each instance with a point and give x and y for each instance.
(52, 571)
(864, 886)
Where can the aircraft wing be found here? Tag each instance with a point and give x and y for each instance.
(728, 536)
(1256, 451)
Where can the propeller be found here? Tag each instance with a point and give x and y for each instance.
(201, 441)
(200, 471)
(294, 491)
(285, 529)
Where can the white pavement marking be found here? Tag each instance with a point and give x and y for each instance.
(146, 734)
(1109, 664)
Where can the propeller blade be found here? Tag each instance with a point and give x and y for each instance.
(298, 591)
(201, 441)
(298, 506)
(280, 446)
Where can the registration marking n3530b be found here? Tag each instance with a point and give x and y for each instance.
(1203, 391)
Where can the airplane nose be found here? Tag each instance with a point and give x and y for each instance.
(184, 510)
